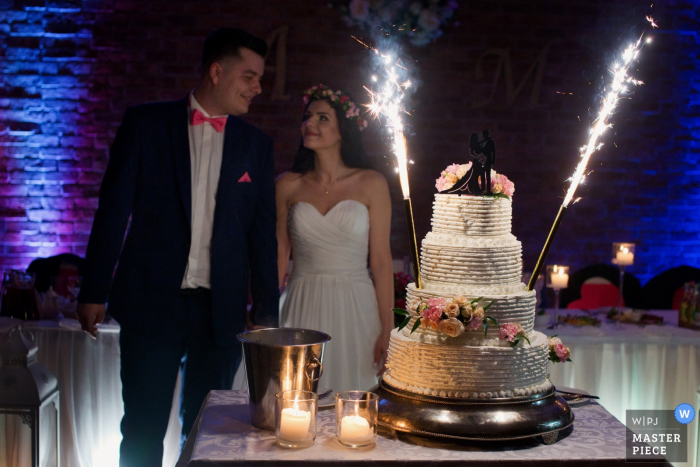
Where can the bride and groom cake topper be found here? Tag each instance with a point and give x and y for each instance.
(477, 180)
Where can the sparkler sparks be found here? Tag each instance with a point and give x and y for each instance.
(620, 85)
(388, 102)
(652, 22)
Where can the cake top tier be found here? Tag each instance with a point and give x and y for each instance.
(472, 215)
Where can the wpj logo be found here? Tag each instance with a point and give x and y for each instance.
(657, 435)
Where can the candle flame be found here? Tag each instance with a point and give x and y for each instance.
(555, 268)
(618, 87)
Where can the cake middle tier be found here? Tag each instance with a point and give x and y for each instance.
(516, 306)
(471, 261)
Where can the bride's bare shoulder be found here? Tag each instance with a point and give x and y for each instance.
(373, 179)
(288, 180)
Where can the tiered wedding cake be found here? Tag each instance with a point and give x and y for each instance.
(470, 254)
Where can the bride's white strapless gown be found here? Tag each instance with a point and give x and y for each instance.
(329, 290)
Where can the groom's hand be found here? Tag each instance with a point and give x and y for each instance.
(90, 315)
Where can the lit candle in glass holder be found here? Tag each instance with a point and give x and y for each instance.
(622, 255)
(557, 279)
(295, 421)
(356, 415)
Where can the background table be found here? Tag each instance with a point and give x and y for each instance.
(225, 437)
(91, 401)
(635, 367)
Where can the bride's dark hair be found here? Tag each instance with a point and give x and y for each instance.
(351, 150)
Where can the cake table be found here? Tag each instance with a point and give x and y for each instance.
(224, 436)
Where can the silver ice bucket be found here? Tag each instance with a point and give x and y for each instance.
(280, 359)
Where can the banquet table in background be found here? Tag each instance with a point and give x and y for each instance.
(652, 367)
(91, 403)
(224, 437)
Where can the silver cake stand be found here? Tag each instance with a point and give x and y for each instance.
(498, 419)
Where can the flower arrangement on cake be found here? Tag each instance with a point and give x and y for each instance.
(513, 333)
(501, 186)
(557, 351)
(451, 317)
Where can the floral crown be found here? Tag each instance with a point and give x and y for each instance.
(337, 99)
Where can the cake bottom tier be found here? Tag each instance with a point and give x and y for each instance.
(479, 372)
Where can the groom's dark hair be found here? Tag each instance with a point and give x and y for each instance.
(352, 152)
(227, 42)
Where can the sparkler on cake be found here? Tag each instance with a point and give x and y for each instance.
(619, 86)
(388, 103)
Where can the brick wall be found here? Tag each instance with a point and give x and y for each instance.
(70, 68)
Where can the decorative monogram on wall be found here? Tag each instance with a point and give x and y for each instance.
(536, 68)
(278, 36)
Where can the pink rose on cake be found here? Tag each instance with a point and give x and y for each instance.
(557, 351)
(501, 184)
(451, 326)
(438, 303)
(508, 332)
(431, 314)
(475, 314)
(513, 333)
(562, 352)
(474, 324)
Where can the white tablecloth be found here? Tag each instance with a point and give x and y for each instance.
(223, 436)
(635, 367)
(91, 403)
(650, 367)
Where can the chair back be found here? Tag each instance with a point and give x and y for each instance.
(600, 293)
(665, 290)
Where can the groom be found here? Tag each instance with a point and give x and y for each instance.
(194, 185)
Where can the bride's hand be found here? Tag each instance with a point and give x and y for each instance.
(380, 351)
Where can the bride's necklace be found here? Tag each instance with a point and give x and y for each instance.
(327, 188)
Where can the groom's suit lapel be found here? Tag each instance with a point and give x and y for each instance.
(232, 159)
(232, 162)
(181, 145)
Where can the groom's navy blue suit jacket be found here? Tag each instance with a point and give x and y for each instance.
(147, 187)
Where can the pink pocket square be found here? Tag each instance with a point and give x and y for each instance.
(245, 178)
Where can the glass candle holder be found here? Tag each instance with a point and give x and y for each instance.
(622, 255)
(295, 418)
(557, 279)
(356, 418)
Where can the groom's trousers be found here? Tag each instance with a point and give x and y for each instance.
(149, 372)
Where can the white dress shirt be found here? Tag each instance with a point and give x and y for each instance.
(206, 149)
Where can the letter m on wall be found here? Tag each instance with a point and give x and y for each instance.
(278, 36)
(505, 67)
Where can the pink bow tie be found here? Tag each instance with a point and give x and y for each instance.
(217, 122)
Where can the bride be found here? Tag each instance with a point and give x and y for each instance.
(332, 213)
